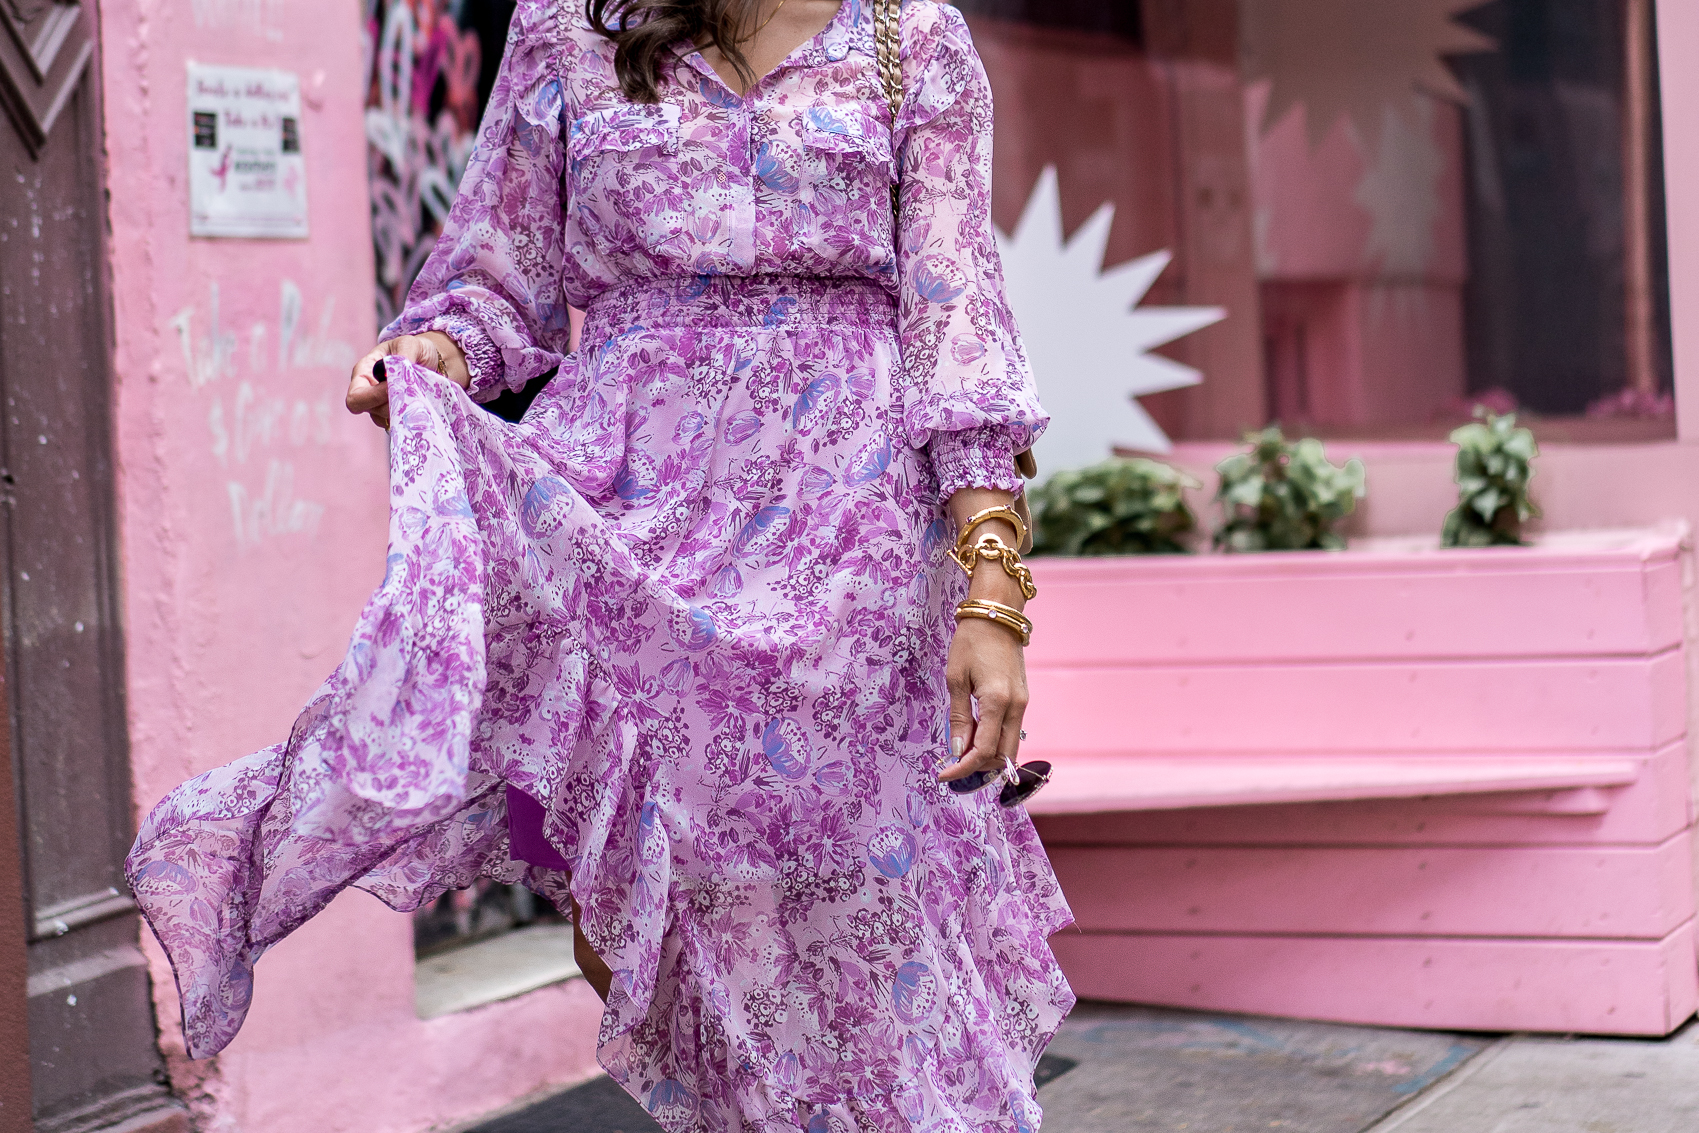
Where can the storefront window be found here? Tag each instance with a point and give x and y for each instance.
(1402, 209)
(1567, 297)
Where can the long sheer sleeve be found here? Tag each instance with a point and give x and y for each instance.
(969, 394)
(493, 283)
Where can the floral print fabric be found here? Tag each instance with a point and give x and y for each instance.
(695, 604)
(574, 190)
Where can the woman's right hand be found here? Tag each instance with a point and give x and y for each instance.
(433, 350)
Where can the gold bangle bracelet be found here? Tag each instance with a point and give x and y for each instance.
(998, 608)
(1023, 635)
(998, 511)
(1006, 616)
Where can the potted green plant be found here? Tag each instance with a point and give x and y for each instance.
(1495, 462)
(1281, 495)
(1118, 507)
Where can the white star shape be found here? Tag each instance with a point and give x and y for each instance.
(1086, 335)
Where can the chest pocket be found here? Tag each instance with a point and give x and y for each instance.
(853, 141)
(642, 132)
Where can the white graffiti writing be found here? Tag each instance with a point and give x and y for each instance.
(261, 422)
(251, 422)
(262, 16)
(275, 510)
(297, 351)
(212, 357)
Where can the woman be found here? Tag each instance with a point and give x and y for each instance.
(679, 644)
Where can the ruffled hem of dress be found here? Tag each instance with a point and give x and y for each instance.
(916, 1103)
(278, 835)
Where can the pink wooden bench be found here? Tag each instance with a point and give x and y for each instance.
(1397, 785)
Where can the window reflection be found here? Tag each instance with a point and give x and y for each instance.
(1547, 197)
(1405, 208)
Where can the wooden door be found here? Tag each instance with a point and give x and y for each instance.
(93, 1047)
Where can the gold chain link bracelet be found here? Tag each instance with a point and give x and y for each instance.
(991, 547)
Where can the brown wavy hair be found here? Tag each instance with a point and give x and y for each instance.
(647, 35)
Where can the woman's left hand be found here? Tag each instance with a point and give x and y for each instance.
(987, 663)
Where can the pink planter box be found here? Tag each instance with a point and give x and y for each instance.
(1397, 785)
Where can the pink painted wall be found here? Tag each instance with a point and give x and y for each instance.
(253, 515)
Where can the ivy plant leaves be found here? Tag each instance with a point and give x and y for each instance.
(1116, 507)
(1495, 462)
(1285, 496)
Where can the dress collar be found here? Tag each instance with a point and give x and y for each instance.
(849, 28)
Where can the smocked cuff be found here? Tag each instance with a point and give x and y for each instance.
(975, 458)
(483, 358)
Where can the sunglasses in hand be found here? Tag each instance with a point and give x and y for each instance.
(1019, 783)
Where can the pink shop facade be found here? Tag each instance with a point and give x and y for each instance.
(1393, 785)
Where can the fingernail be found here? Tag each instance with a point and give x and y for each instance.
(957, 746)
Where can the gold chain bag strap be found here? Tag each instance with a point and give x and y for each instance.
(887, 44)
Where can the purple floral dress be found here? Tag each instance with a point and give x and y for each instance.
(692, 613)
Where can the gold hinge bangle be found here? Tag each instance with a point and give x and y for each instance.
(998, 511)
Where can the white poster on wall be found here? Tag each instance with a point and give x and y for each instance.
(247, 175)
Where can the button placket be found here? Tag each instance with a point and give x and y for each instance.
(741, 240)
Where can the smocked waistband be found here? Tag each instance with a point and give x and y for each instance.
(766, 301)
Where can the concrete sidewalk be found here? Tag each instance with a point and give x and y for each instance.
(1542, 1085)
(1120, 1069)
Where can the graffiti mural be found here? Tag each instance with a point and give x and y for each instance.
(429, 68)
